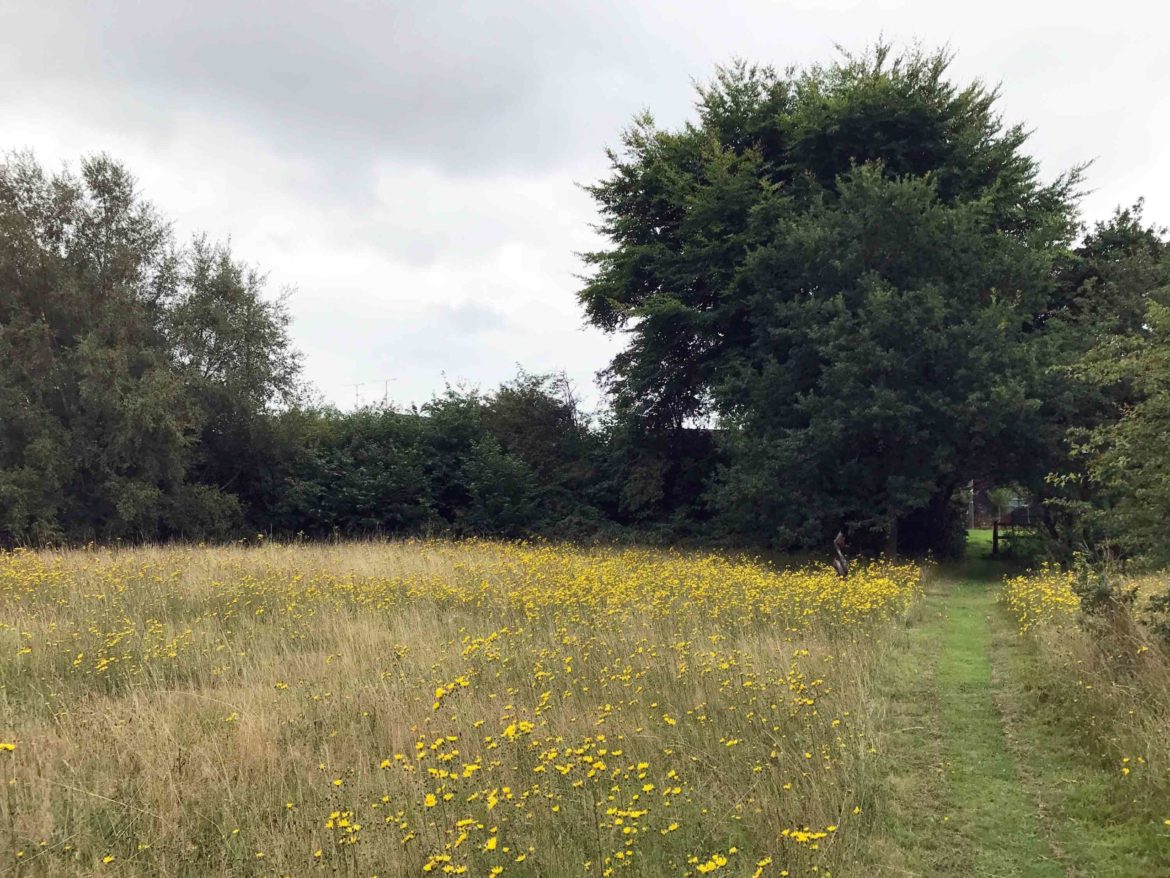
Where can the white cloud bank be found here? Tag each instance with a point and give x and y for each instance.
(410, 167)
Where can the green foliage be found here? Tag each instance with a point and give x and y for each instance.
(360, 472)
(843, 266)
(97, 426)
(204, 512)
(1097, 326)
(232, 345)
(657, 479)
(845, 294)
(151, 391)
(519, 461)
(134, 375)
(1100, 585)
(502, 492)
(1158, 615)
(1117, 480)
(1130, 460)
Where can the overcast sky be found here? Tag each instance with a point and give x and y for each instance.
(410, 167)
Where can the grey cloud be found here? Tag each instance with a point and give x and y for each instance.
(463, 86)
(471, 317)
(409, 164)
(467, 343)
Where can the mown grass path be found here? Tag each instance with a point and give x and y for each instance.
(979, 783)
(994, 810)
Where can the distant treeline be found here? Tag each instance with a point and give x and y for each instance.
(852, 273)
(520, 461)
(149, 391)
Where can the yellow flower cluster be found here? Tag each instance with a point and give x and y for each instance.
(472, 708)
(1041, 597)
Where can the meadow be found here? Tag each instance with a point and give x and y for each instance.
(413, 708)
(1106, 674)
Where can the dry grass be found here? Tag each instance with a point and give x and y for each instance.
(411, 708)
(1108, 676)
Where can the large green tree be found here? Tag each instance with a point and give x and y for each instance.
(96, 422)
(1112, 333)
(231, 341)
(133, 371)
(842, 267)
(1129, 461)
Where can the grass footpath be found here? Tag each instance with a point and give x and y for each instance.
(980, 781)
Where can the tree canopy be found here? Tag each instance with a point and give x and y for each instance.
(127, 363)
(846, 293)
(842, 266)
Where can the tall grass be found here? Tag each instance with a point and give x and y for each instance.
(433, 708)
(1106, 674)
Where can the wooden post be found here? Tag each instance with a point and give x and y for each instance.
(995, 538)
